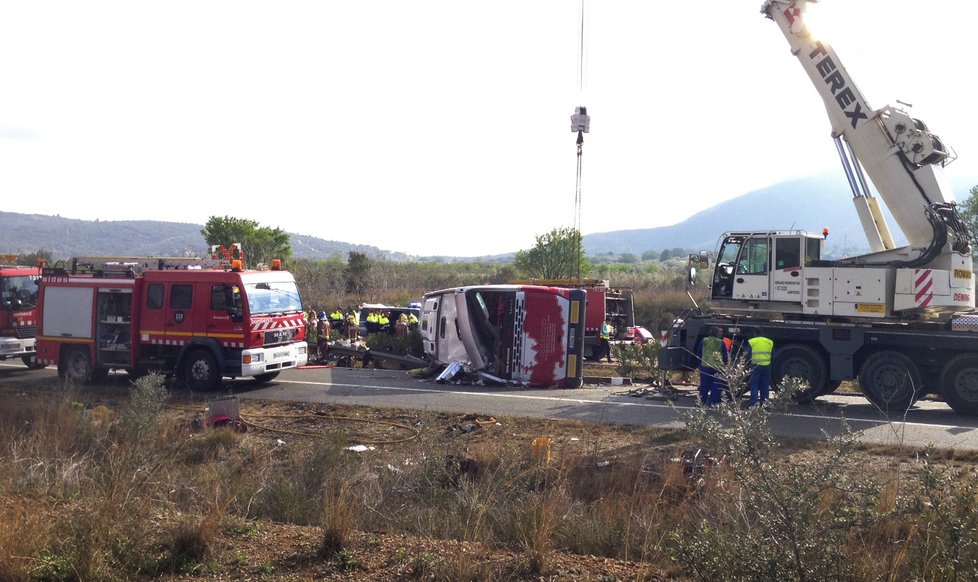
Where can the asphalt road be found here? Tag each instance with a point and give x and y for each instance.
(929, 422)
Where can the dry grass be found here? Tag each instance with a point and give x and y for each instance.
(123, 492)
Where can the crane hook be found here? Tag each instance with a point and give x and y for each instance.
(581, 123)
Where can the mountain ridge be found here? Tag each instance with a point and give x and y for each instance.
(819, 201)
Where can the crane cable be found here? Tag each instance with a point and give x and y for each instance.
(580, 61)
(580, 122)
(577, 209)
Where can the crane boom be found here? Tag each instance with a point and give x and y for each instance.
(903, 158)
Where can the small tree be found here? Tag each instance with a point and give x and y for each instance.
(558, 254)
(31, 259)
(772, 518)
(650, 255)
(260, 244)
(357, 273)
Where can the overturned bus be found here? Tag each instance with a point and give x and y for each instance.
(522, 334)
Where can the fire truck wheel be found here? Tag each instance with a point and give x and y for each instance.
(802, 362)
(262, 378)
(32, 363)
(76, 366)
(959, 381)
(200, 371)
(891, 381)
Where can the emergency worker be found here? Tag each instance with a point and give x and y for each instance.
(759, 349)
(352, 327)
(713, 357)
(325, 330)
(372, 318)
(606, 332)
(336, 318)
(312, 337)
(401, 326)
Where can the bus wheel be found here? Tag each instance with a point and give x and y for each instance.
(959, 380)
(891, 381)
(200, 371)
(802, 362)
(76, 366)
(266, 377)
(32, 363)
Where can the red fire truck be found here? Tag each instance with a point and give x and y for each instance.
(199, 320)
(18, 313)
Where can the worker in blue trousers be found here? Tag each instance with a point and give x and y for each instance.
(759, 350)
(713, 356)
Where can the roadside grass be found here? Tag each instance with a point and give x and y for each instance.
(115, 493)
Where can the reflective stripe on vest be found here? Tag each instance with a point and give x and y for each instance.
(760, 351)
(713, 352)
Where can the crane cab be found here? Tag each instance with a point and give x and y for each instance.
(764, 266)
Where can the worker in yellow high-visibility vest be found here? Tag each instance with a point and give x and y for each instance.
(713, 356)
(759, 350)
(605, 336)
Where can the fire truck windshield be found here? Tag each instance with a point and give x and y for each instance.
(272, 297)
(18, 293)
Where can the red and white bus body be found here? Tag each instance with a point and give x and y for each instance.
(524, 334)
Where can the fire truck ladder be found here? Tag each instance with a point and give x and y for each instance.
(131, 266)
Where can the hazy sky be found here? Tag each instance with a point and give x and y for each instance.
(443, 127)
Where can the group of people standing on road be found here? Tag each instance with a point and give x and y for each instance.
(713, 352)
(384, 321)
(321, 325)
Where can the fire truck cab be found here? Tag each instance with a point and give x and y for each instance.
(18, 299)
(199, 320)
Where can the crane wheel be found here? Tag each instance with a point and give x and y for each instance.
(891, 381)
(802, 362)
(959, 382)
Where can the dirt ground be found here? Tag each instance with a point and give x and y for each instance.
(265, 550)
(392, 433)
